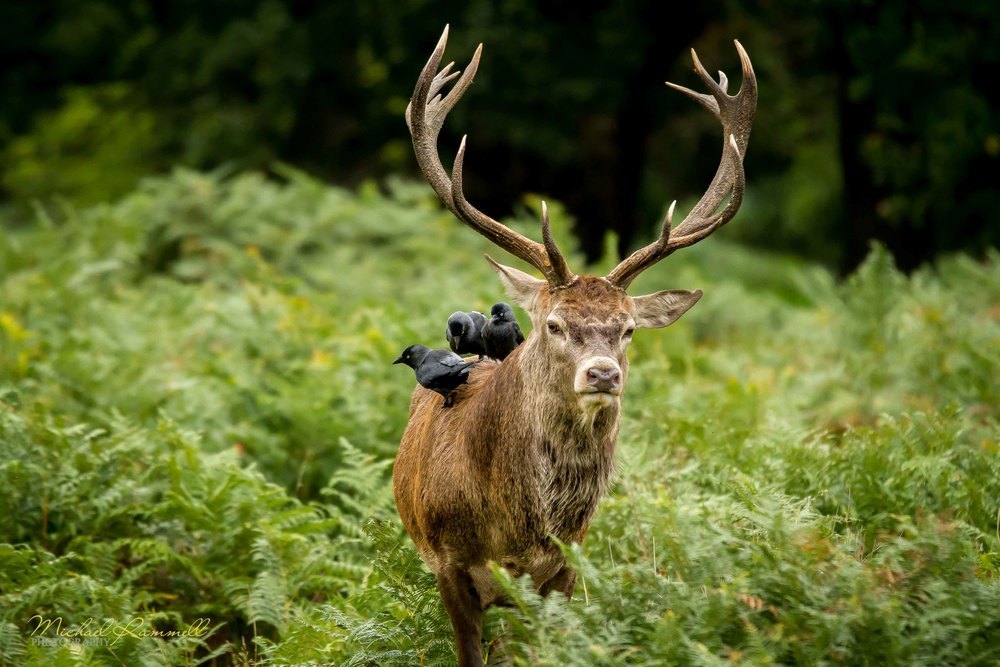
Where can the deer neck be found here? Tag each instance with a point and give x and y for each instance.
(548, 402)
(573, 447)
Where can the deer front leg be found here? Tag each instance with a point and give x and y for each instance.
(462, 604)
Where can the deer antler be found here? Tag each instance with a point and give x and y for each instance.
(425, 116)
(736, 114)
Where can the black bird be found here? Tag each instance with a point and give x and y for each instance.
(501, 333)
(465, 332)
(438, 370)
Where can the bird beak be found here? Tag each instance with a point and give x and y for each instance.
(399, 360)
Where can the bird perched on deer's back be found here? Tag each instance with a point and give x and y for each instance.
(465, 332)
(438, 370)
(501, 333)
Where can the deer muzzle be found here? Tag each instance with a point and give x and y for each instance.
(599, 376)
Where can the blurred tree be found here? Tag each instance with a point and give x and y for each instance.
(874, 120)
(919, 141)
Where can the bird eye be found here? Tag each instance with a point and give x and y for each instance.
(554, 328)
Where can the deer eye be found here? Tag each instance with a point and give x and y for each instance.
(628, 332)
(554, 329)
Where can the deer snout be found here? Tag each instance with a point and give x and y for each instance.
(604, 379)
(599, 375)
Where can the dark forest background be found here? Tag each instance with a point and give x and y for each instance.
(875, 120)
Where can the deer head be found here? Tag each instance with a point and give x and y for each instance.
(581, 325)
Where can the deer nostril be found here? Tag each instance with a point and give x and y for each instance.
(604, 379)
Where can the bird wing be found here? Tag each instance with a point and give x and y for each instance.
(518, 336)
(478, 319)
(449, 359)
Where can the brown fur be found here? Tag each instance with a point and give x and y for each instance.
(516, 459)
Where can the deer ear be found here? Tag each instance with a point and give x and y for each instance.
(521, 287)
(654, 311)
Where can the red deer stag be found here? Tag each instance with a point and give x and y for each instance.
(528, 449)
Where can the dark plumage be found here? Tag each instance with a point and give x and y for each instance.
(438, 370)
(501, 333)
(465, 332)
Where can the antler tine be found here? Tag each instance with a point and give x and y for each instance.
(683, 240)
(425, 116)
(426, 112)
(425, 134)
(706, 101)
(735, 112)
(700, 70)
(650, 254)
(441, 79)
(552, 266)
(559, 266)
(746, 65)
(496, 232)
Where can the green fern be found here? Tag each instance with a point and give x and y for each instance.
(198, 419)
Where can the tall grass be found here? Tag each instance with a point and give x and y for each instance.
(198, 418)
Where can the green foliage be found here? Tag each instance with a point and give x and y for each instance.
(198, 418)
(88, 150)
(131, 522)
(411, 626)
